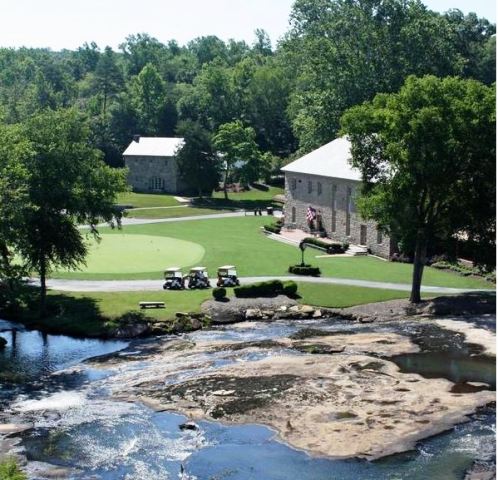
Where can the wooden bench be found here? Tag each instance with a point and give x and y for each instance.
(151, 305)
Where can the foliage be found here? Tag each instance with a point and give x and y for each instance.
(259, 289)
(10, 471)
(219, 293)
(305, 270)
(330, 247)
(273, 228)
(427, 156)
(198, 164)
(290, 288)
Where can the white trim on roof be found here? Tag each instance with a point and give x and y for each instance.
(154, 147)
(330, 160)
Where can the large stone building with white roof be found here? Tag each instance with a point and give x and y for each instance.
(325, 181)
(152, 165)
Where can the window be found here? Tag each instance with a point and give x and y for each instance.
(334, 207)
(293, 184)
(348, 212)
(156, 183)
(319, 188)
(310, 186)
(379, 236)
(293, 214)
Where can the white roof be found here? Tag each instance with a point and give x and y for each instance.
(227, 267)
(331, 160)
(172, 269)
(154, 147)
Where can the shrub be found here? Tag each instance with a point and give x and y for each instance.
(275, 228)
(400, 258)
(290, 288)
(219, 293)
(330, 248)
(304, 270)
(260, 289)
(10, 471)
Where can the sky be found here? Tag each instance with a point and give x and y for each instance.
(59, 24)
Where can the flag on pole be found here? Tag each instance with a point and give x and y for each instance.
(310, 214)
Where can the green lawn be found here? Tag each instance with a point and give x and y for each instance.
(253, 194)
(144, 200)
(171, 212)
(239, 241)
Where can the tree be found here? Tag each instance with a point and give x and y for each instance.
(343, 52)
(108, 78)
(427, 156)
(197, 161)
(68, 185)
(239, 150)
(148, 98)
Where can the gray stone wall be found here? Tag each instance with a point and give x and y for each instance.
(153, 174)
(334, 199)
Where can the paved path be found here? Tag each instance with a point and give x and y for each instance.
(151, 285)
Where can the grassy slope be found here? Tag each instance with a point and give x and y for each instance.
(171, 212)
(240, 241)
(141, 200)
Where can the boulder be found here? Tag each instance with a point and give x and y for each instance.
(196, 324)
(253, 314)
(188, 426)
(317, 313)
(3, 343)
(132, 330)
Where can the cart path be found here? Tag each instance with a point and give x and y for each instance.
(151, 285)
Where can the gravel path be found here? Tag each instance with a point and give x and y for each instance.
(150, 285)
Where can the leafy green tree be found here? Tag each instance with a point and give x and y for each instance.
(237, 145)
(68, 185)
(108, 79)
(262, 44)
(427, 156)
(140, 50)
(344, 52)
(197, 161)
(148, 98)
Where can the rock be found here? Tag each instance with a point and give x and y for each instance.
(253, 314)
(189, 426)
(196, 324)
(317, 313)
(132, 330)
(303, 310)
(3, 342)
(223, 393)
(182, 315)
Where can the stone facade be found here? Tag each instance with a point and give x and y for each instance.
(334, 200)
(153, 174)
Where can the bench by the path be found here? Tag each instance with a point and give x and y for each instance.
(151, 305)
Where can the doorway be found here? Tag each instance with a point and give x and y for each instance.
(363, 234)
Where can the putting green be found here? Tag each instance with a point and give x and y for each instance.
(119, 253)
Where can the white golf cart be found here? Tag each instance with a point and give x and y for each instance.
(173, 279)
(198, 278)
(227, 276)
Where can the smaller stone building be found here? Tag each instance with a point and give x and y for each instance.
(325, 181)
(152, 165)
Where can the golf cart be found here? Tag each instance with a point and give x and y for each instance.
(173, 279)
(227, 276)
(198, 278)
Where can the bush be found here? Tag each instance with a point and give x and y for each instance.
(260, 289)
(331, 248)
(304, 270)
(219, 293)
(290, 288)
(275, 228)
(400, 258)
(10, 471)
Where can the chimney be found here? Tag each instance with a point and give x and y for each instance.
(136, 138)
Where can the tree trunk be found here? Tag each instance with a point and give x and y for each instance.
(225, 184)
(43, 288)
(418, 267)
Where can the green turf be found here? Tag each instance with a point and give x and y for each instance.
(137, 253)
(340, 296)
(252, 194)
(171, 212)
(239, 241)
(140, 200)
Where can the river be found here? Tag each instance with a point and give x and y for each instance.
(78, 425)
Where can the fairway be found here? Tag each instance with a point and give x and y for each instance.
(120, 253)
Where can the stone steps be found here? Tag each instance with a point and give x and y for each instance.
(357, 250)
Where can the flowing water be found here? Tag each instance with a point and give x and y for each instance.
(78, 425)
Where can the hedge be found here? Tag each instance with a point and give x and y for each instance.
(290, 288)
(330, 248)
(305, 270)
(275, 228)
(219, 293)
(260, 289)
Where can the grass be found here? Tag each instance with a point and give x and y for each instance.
(172, 212)
(341, 296)
(249, 200)
(144, 200)
(239, 241)
(10, 471)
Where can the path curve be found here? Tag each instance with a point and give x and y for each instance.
(151, 285)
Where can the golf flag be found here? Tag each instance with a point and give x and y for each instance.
(310, 214)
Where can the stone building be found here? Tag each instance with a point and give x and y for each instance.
(325, 181)
(152, 165)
